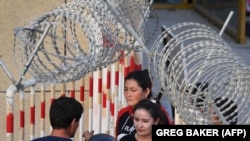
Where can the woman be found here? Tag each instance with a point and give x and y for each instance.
(136, 88)
(146, 113)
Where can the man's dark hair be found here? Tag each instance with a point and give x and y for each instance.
(63, 110)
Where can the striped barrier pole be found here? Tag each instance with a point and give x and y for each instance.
(72, 91)
(138, 57)
(90, 101)
(121, 81)
(32, 112)
(63, 89)
(82, 89)
(21, 114)
(52, 96)
(9, 112)
(106, 100)
(97, 95)
(109, 99)
(42, 112)
(52, 92)
(114, 94)
(126, 64)
(104, 112)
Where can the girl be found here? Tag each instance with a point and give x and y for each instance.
(146, 113)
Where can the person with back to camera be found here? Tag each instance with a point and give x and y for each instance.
(228, 108)
(136, 88)
(147, 112)
(101, 137)
(64, 114)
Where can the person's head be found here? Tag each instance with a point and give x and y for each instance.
(200, 90)
(228, 108)
(147, 112)
(101, 137)
(65, 113)
(137, 86)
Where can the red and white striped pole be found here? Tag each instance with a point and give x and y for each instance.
(122, 69)
(21, 114)
(114, 94)
(137, 61)
(109, 98)
(82, 89)
(105, 100)
(32, 112)
(90, 101)
(97, 95)
(52, 92)
(9, 112)
(52, 96)
(72, 91)
(42, 112)
(63, 89)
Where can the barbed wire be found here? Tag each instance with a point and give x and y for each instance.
(196, 68)
(201, 75)
(84, 36)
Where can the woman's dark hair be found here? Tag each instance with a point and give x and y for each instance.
(142, 77)
(228, 108)
(154, 107)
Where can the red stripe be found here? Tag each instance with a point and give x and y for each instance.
(138, 67)
(32, 115)
(81, 93)
(91, 86)
(132, 63)
(104, 105)
(126, 71)
(112, 108)
(72, 93)
(21, 118)
(121, 60)
(117, 78)
(43, 109)
(100, 85)
(9, 124)
(108, 79)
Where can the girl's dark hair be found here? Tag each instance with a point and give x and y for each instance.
(153, 106)
(229, 109)
(142, 77)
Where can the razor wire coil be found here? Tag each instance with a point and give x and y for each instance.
(201, 75)
(64, 56)
(196, 68)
